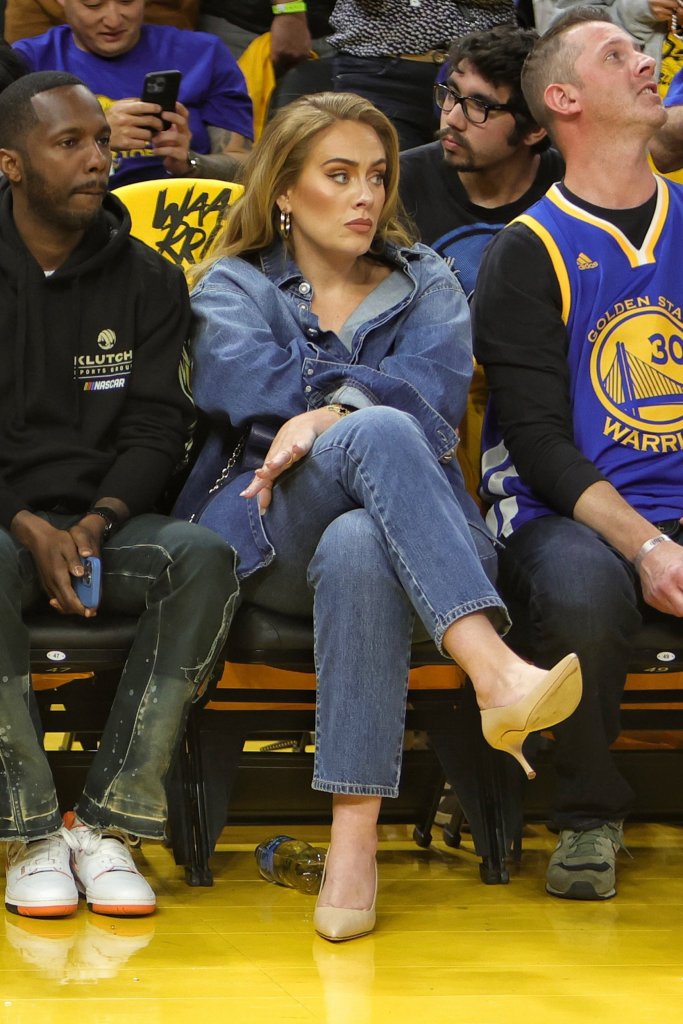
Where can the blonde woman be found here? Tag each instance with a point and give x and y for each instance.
(322, 327)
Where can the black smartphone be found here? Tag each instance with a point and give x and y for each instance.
(162, 87)
(88, 587)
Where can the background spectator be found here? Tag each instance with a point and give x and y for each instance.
(33, 17)
(390, 51)
(239, 22)
(109, 48)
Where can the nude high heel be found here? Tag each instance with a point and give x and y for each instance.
(551, 701)
(339, 924)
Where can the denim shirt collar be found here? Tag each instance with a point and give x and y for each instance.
(280, 268)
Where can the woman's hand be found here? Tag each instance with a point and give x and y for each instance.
(293, 440)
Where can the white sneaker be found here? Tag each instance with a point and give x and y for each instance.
(39, 879)
(105, 872)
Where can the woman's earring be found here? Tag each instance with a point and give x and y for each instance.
(285, 223)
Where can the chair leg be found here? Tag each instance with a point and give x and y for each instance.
(479, 777)
(422, 833)
(211, 764)
(186, 817)
(452, 832)
(493, 806)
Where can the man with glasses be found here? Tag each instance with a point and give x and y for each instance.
(490, 163)
(492, 160)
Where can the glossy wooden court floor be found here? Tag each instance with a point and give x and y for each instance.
(447, 948)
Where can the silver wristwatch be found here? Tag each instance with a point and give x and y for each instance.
(193, 161)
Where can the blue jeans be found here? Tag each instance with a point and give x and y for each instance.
(180, 580)
(568, 590)
(401, 89)
(368, 533)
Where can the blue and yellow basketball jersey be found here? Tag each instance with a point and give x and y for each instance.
(622, 308)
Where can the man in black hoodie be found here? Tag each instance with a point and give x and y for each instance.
(93, 421)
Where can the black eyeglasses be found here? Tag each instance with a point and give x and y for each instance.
(475, 110)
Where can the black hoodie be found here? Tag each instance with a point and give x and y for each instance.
(90, 399)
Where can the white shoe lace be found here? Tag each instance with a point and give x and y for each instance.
(87, 840)
(43, 854)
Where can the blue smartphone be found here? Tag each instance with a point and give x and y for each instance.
(88, 587)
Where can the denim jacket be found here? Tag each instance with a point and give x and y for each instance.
(260, 358)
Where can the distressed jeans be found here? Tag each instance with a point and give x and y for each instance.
(180, 580)
(369, 534)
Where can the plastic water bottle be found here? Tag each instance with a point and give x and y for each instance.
(291, 862)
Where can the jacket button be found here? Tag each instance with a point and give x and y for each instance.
(304, 288)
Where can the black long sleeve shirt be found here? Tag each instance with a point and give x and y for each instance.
(521, 341)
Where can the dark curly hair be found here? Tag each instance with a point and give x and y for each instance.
(498, 55)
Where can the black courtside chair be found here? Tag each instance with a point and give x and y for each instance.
(223, 783)
(212, 760)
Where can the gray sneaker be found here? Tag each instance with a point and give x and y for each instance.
(582, 865)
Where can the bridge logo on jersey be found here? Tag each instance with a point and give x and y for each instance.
(637, 373)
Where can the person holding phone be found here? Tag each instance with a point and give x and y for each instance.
(209, 129)
(93, 421)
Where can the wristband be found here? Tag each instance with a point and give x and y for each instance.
(341, 410)
(647, 547)
(289, 7)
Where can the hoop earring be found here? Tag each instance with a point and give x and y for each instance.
(285, 224)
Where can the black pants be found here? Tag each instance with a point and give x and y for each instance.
(567, 590)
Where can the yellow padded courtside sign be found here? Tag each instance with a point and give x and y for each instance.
(180, 218)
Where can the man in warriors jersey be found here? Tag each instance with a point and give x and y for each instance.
(578, 324)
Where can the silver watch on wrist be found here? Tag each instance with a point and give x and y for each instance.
(193, 161)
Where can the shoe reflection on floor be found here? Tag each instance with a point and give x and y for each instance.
(78, 950)
(347, 974)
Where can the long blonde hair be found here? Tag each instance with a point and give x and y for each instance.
(276, 162)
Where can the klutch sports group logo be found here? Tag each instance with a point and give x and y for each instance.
(106, 369)
(637, 372)
(106, 339)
